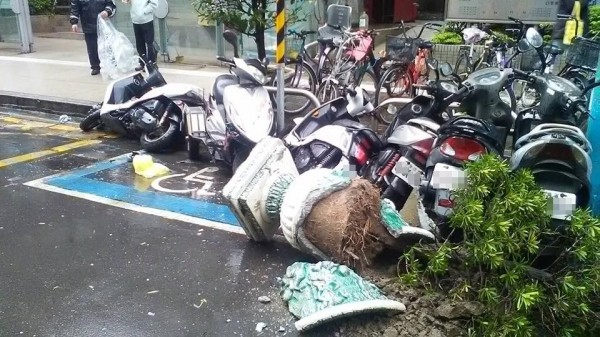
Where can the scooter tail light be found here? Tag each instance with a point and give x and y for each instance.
(361, 151)
(421, 150)
(462, 148)
(446, 203)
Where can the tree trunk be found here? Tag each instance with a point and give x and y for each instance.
(259, 37)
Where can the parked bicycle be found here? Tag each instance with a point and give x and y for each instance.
(354, 62)
(580, 65)
(407, 58)
(299, 74)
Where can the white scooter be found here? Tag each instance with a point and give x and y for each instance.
(332, 134)
(237, 115)
(147, 108)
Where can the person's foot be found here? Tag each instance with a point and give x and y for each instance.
(95, 72)
(139, 68)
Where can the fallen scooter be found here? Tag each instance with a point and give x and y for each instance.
(147, 108)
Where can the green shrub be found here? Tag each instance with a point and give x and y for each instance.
(502, 218)
(446, 37)
(37, 7)
(594, 20)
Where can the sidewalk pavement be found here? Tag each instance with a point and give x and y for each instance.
(59, 70)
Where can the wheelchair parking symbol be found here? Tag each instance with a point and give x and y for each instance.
(201, 181)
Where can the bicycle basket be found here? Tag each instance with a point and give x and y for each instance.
(293, 45)
(402, 49)
(583, 53)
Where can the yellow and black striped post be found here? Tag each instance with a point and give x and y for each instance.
(280, 60)
(280, 28)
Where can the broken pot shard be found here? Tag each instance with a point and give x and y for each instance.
(395, 224)
(269, 167)
(325, 291)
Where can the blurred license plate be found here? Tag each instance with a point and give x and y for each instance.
(561, 205)
(408, 172)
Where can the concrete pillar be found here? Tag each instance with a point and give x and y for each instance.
(593, 134)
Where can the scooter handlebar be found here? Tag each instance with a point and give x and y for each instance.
(225, 59)
(524, 75)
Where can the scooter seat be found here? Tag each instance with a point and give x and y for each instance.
(330, 35)
(221, 82)
(426, 45)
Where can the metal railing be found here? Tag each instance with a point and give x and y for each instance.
(294, 92)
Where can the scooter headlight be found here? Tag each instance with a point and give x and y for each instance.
(257, 74)
(250, 111)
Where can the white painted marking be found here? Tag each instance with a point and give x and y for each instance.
(156, 185)
(197, 177)
(199, 73)
(39, 183)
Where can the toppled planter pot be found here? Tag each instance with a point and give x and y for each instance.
(321, 212)
(333, 217)
(268, 171)
(325, 291)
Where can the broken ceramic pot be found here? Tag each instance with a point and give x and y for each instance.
(325, 291)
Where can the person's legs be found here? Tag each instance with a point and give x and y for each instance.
(140, 45)
(149, 41)
(91, 41)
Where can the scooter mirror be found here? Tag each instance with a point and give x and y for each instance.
(232, 38)
(446, 69)
(534, 38)
(523, 45)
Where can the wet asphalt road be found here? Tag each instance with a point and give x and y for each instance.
(74, 267)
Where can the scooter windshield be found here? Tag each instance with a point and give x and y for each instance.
(124, 90)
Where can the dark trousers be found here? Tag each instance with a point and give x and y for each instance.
(144, 41)
(91, 41)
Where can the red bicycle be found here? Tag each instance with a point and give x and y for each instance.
(406, 66)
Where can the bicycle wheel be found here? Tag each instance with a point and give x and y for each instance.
(368, 82)
(326, 62)
(529, 96)
(328, 91)
(394, 77)
(395, 82)
(303, 78)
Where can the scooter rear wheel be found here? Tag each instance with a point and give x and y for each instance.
(90, 121)
(162, 142)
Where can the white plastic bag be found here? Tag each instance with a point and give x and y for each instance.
(473, 35)
(116, 53)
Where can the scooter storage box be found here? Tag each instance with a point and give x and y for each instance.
(249, 187)
(195, 120)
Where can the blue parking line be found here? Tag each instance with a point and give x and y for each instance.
(77, 181)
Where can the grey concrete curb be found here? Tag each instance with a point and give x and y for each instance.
(47, 104)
